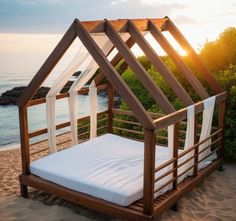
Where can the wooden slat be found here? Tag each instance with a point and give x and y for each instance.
(128, 130)
(179, 115)
(148, 173)
(113, 76)
(159, 65)
(130, 113)
(127, 121)
(164, 165)
(63, 95)
(62, 125)
(183, 187)
(206, 74)
(165, 184)
(139, 70)
(48, 65)
(178, 61)
(119, 25)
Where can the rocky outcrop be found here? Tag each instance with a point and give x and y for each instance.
(12, 96)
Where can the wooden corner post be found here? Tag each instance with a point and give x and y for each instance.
(149, 170)
(24, 140)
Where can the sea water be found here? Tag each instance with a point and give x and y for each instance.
(21, 55)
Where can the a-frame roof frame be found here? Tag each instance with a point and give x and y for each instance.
(114, 77)
(116, 26)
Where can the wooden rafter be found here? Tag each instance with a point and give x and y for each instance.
(113, 76)
(160, 38)
(159, 65)
(48, 65)
(206, 74)
(139, 70)
(130, 42)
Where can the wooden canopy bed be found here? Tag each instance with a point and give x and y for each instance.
(136, 177)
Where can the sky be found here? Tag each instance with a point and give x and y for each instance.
(198, 20)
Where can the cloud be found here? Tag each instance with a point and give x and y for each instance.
(184, 20)
(117, 2)
(54, 16)
(38, 2)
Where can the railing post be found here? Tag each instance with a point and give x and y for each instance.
(221, 122)
(24, 139)
(149, 170)
(196, 149)
(111, 93)
(175, 154)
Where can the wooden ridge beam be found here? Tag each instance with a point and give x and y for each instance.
(206, 74)
(48, 65)
(160, 38)
(139, 70)
(113, 76)
(119, 24)
(159, 65)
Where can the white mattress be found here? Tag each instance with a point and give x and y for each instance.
(108, 167)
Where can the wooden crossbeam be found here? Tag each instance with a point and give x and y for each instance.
(139, 70)
(113, 76)
(160, 38)
(206, 74)
(48, 65)
(119, 25)
(159, 65)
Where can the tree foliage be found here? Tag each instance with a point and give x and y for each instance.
(220, 57)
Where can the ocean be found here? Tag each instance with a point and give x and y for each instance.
(21, 55)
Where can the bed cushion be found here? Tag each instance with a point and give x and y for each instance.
(109, 167)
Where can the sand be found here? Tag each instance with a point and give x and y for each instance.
(213, 200)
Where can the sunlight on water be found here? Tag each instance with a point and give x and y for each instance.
(21, 55)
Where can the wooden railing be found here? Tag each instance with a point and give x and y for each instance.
(171, 166)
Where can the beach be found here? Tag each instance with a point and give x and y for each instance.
(213, 200)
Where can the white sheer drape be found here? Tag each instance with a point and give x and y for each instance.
(77, 85)
(209, 105)
(93, 109)
(189, 142)
(55, 89)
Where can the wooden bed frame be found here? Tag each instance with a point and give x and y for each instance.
(150, 124)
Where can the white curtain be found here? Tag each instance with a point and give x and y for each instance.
(55, 89)
(209, 105)
(93, 109)
(189, 142)
(83, 59)
(77, 85)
